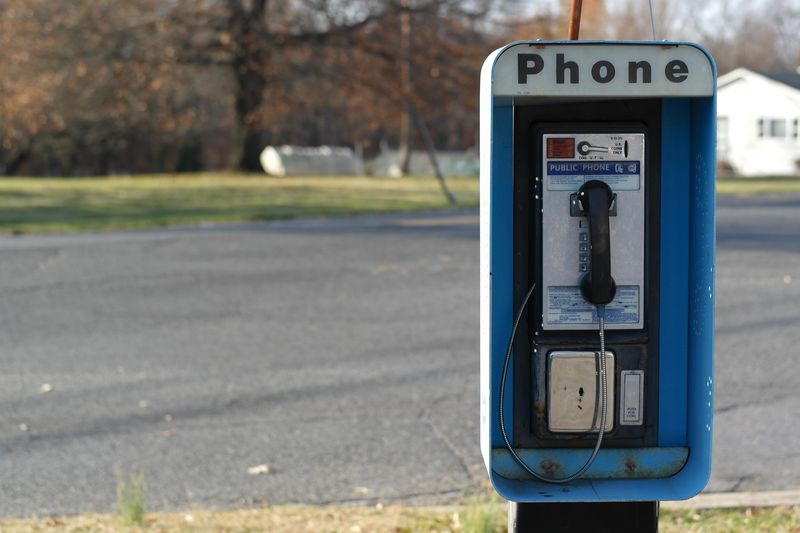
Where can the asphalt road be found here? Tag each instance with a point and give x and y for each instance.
(342, 354)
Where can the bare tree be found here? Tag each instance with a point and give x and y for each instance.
(142, 85)
(252, 38)
(94, 86)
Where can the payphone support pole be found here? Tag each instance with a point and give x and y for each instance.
(605, 517)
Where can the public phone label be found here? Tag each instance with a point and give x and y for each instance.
(570, 175)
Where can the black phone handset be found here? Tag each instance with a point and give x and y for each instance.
(596, 199)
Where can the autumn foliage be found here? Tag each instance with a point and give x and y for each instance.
(92, 87)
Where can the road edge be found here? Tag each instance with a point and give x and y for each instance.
(723, 500)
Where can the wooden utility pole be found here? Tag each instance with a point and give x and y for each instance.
(575, 20)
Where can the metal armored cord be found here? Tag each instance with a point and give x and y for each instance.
(602, 386)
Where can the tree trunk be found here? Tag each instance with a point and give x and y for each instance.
(405, 80)
(249, 64)
(249, 96)
(15, 164)
(405, 140)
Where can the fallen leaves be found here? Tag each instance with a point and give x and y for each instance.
(258, 470)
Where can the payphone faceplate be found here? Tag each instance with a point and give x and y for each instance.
(569, 161)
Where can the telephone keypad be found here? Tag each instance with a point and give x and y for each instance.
(583, 251)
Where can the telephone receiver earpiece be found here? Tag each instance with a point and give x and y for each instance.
(596, 199)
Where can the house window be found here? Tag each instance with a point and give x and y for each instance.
(795, 129)
(772, 127)
(722, 133)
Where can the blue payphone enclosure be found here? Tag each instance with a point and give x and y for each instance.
(680, 465)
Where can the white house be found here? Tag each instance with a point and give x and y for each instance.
(757, 122)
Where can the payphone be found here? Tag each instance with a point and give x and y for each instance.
(597, 193)
(585, 179)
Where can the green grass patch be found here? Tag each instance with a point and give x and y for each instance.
(55, 205)
(767, 185)
(482, 516)
(36, 205)
(130, 498)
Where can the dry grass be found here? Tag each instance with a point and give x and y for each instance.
(391, 519)
(283, 519)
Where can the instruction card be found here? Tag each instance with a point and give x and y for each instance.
(565, 305)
